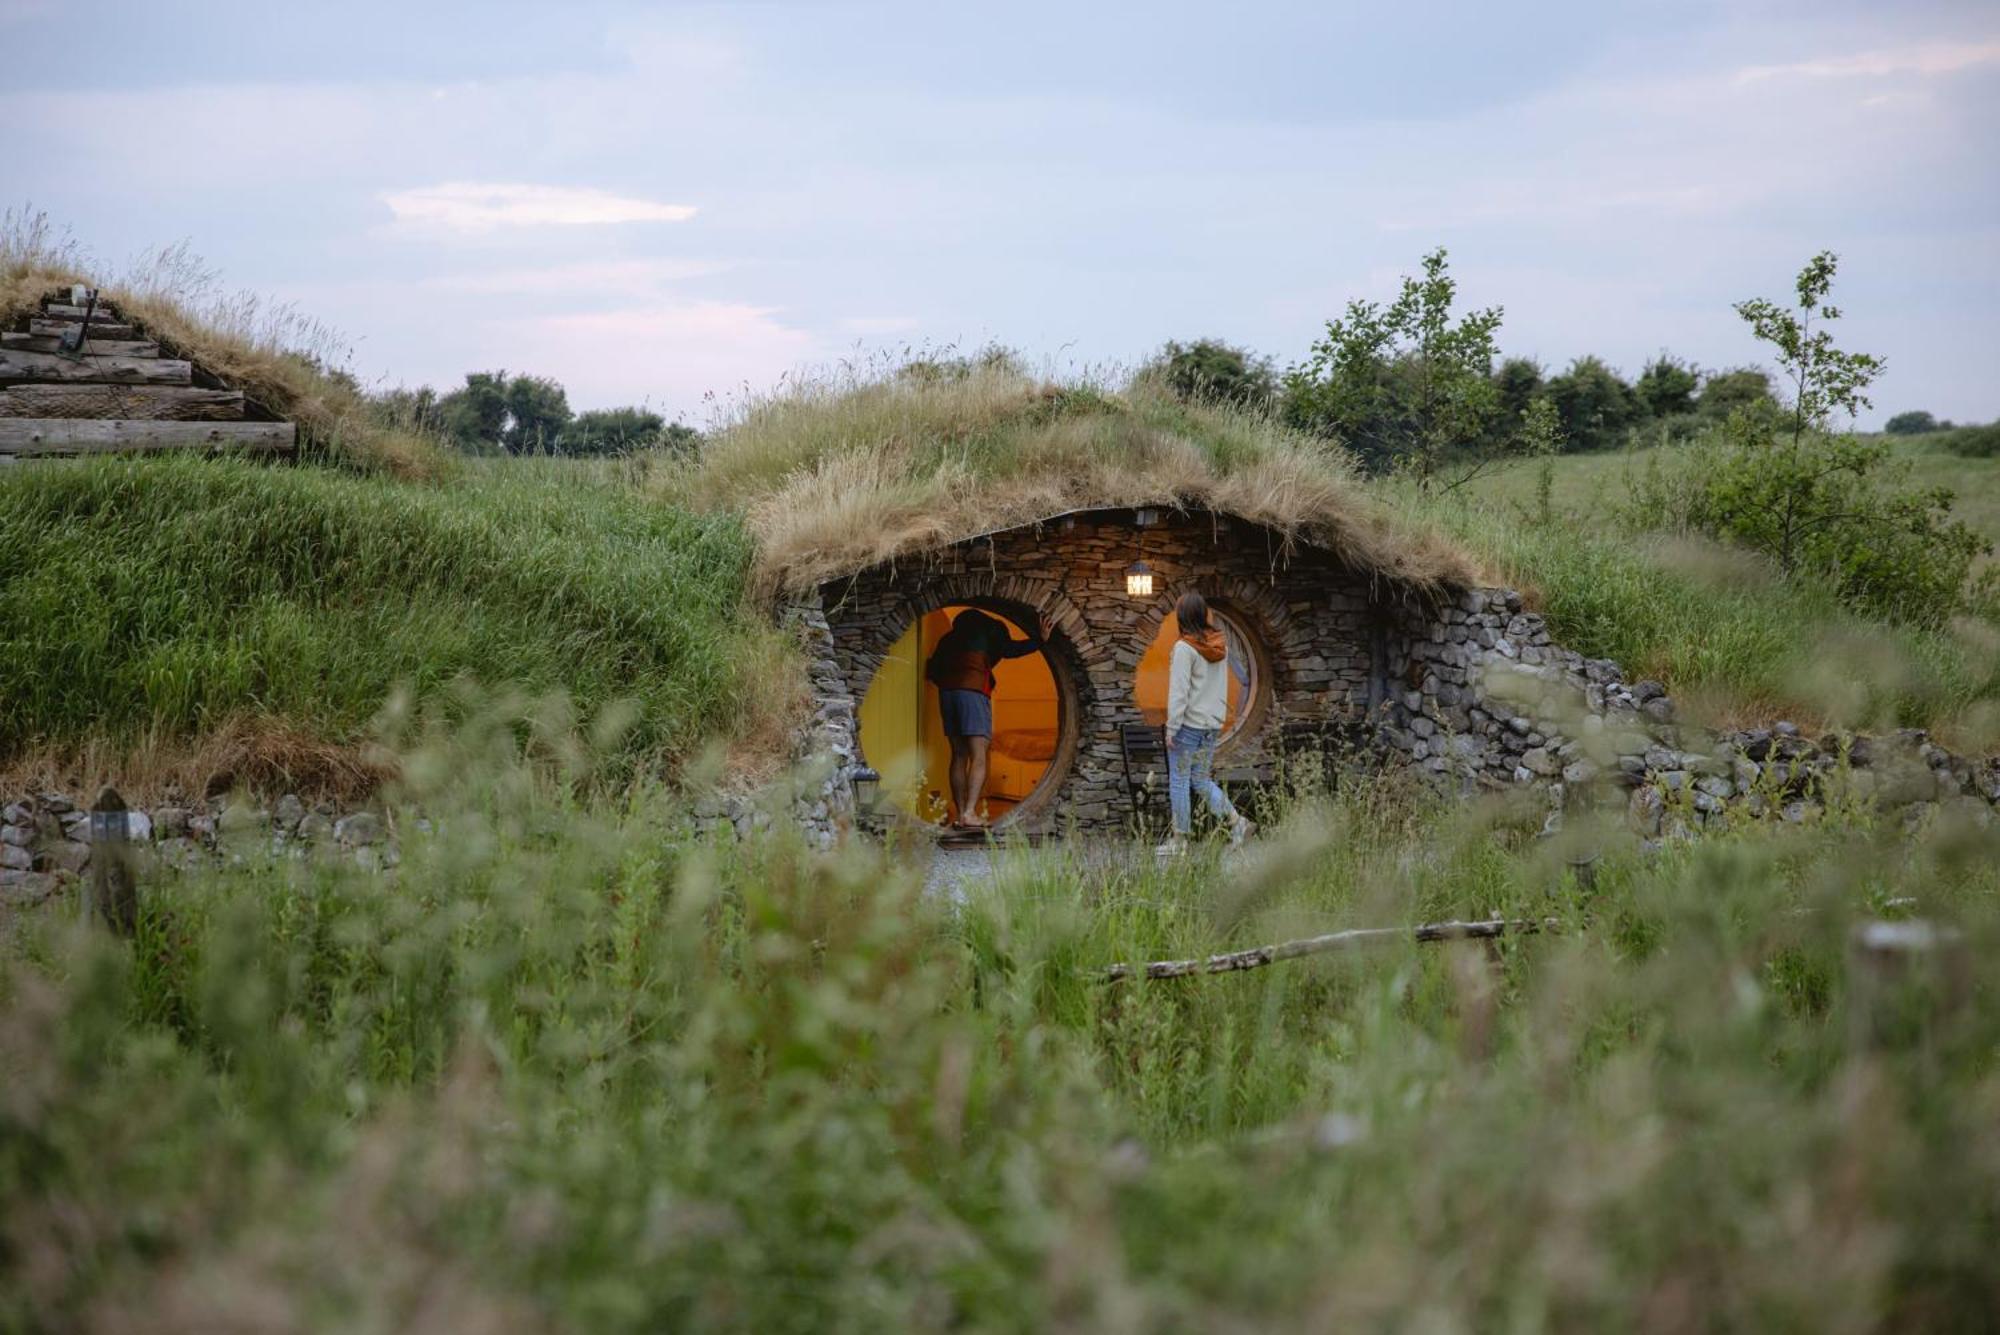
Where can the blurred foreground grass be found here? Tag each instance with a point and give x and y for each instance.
(572, 1069)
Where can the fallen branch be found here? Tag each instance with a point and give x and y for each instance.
(1259, 956)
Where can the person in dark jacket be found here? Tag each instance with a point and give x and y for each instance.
(961, 667)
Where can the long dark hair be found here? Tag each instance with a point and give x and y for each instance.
(1192, 612)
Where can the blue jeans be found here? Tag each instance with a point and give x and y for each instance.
(1190, 760)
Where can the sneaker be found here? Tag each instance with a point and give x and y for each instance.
(1174, 847)
(1240, 829)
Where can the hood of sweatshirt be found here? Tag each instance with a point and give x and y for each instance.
(1209, 644)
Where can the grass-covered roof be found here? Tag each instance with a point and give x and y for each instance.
(838, 474)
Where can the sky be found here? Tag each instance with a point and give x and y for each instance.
(680, 204)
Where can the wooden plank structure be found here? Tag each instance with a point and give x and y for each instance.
(119, 391)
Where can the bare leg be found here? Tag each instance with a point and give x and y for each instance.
(975, 779)
(961, 766)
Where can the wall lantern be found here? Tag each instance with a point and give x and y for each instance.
(867, 787)
(1139, 575)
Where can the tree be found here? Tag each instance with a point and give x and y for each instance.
(612, 431)
(1595, 405)
(1209, 370)
(1815, 502)
(475, 416)
(1747, 388)
(1824, 379)
(1404, 385)
(537, 412)
(1911, 424)
(1517, 383)
(1666, 388)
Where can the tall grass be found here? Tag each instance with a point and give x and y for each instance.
(163, 601)
(853, 468)
(572, 1069)
(1737, 643)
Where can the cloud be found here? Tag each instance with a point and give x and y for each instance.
(619, 277)
(468, 206)
(675, 355)
(1934, 58)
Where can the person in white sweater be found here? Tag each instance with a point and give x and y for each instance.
(1197, 703)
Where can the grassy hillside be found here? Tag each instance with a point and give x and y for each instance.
(243, 616)
(1737, 643)
(564, 1074)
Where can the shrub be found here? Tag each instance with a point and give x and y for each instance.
(1817, 504)
(1213, 371)
(1747, 388)
(1403, 385)
(1840, 509)
(1595, 405)
(1666, 388)
(1971, 442)
(1910, 424)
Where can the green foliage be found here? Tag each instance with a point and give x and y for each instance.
(1970, 442)
(623, 431)
(1726, 393)
(475, 415)
(1517, 383)
(1911, 424)
(1403, 385)
(537, 413)
(1838, 509)
(572, 1068)
(1595, 405)
(1829, 507)
(1210, 370)
(1666, 388)
(1732, 638)
(163, 598)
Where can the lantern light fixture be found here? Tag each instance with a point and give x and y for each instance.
(1139, 580)
(867, 788)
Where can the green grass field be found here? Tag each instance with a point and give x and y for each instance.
(158, 601)
(574, 1070)
(1591, 485)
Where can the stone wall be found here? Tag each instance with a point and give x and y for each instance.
(45, 837)
(1318, 623)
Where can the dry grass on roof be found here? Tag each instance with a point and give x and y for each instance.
(276, 356)
(842, 473)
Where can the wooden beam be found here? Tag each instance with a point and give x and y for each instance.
(147, 402)
(43, 327)
(1259, 956)
(101, 347)
(60, 311)
(60, 435)
(16, 367)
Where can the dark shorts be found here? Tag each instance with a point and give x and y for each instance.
(966, 713)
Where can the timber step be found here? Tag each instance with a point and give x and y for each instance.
(83, 435)
(137, 402)
(90, 369)
(42, 326)
(99, 347)
(116, 393)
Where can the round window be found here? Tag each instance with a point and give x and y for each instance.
(1246, 686)
(905, 736)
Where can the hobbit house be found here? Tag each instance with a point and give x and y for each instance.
(1332, 663)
